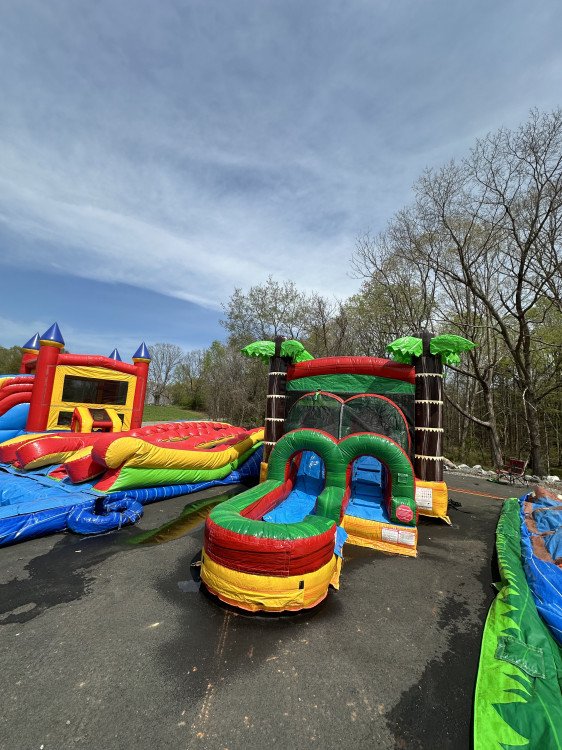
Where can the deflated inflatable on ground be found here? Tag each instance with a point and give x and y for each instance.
(135, 462)
(33, 504)
(130, 469)
(518, 700)
(541, 547)
(156, 455)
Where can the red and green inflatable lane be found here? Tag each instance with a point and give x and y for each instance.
(168, 454)
(518, 699)
(257, 565)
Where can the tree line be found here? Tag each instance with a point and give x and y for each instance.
(477, 252)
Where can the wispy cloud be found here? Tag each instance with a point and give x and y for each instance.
(189, 147)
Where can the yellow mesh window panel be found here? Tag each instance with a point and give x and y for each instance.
(60, 407)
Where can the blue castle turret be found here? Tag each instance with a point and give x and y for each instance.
(33, 344)
(142, 352)
(53, 336)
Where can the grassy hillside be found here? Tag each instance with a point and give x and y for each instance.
(169, 414)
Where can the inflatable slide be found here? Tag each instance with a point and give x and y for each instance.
(15, 397)
(353, 451)
(278, 546)
(518, 700)
(131, 469)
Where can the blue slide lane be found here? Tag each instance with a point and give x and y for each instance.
(367, 485)
(302, 500)
(12, 423)
(366, 499)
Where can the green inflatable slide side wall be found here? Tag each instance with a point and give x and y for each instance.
(518, 700)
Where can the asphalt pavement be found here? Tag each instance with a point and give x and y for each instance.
(111, 645)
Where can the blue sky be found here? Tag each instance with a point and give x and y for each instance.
(155, 155)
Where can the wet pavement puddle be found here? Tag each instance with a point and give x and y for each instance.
(191, 517)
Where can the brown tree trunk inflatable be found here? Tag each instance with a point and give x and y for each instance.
(275, 406)
(428, 463)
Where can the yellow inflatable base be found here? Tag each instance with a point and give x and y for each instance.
(384, 537)
(432, 499)
(256, 593)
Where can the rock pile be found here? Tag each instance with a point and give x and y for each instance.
(477, 470)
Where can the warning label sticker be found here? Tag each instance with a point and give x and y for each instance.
(398, 536)
(407, 537)
(390, 535)
(424, 497)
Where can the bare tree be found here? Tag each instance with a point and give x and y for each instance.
(266, 311)
(186, 385)
(404, 279)
(234, 386)
(471, 320)
(488, 219)
(165, 358)
(483, 235)
(398, 295)
(328, 330)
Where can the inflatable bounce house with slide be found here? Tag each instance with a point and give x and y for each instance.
(75, 456)
(353, 452)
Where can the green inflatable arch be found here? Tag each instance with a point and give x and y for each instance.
(330, 499)
(403, 486)
(337, 457)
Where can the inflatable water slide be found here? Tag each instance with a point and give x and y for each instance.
(15, 395)
(75, 456)
(518, 699)
(278, 546)
(353, 453)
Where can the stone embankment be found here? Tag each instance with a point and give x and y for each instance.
(478, 471)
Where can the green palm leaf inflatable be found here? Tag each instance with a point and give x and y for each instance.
(404, 349)
(266, 349)
(447, 345)
(295, 350)
(262, 349)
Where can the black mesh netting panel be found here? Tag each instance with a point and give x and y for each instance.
(404, 401)
(317, 410)
(371, 414)
(364, 414)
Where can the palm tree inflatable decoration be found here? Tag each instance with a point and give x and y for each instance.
(280, 354)
(447, 345)
(428, 354)
(292, 350)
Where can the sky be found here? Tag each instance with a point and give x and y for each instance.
(154, 156)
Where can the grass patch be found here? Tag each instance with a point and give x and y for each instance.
(154, 413)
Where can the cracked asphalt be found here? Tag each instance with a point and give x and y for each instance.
(110, 645)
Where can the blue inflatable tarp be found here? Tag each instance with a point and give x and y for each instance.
(541, 550)
(32, 504)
